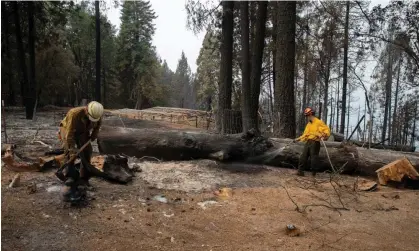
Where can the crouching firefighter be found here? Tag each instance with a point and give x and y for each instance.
(315, 131)
(80, 125)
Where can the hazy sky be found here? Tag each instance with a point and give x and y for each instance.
(171, 35)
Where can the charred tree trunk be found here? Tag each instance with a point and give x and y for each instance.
(326, 82)
(104, 86)
(9, 79)
(337, 104)
(345, 70)
(305, 87)
(326, 95)
(388, 94)
(270, 82)
(331, 114)
(98, 91)
(248, 148)
(275, 115)
(31, 90)
(257, 57)
(285, 63)
(21, 54)
(226, 68)
(396, 99)
(348, 114)
(412, 141)
(248, 123)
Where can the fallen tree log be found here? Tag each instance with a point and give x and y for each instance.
(401, 148)
(248, 148)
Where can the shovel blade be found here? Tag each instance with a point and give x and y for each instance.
(59, 173)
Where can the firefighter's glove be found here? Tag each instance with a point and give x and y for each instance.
(72, 152)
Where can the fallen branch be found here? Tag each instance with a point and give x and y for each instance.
(13, 165)
(297, 208)
(42, 143)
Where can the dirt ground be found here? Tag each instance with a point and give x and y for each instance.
(189, 216)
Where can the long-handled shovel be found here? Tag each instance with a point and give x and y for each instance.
(59, 172)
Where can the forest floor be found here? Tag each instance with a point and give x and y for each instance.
(253, 217)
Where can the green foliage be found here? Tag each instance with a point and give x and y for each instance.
(208, 63)
(132, 74)
(182, 84)
(137, 62)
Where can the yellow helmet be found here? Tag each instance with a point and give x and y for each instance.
(94, 111)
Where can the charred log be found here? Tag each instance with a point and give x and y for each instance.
(249, 148)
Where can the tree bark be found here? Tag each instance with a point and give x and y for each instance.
(257, 57)
(387, 101)
(326, 82)
(345, 70)
(412, 141)
(98, 91)
(248, 148)
(348, 114)
(285, 64)
(337, 104)
(226, 68)
(31, 90)
(104, 86)
(5, 24)
(305, 86)
(246, 87)
(274, 29)
(396, 99)
(21, 54)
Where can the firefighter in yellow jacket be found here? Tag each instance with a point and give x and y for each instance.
(315, 131)
(75, 131)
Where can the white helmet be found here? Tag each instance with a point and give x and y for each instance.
(94, 111)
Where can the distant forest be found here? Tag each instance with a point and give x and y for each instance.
(268, 60)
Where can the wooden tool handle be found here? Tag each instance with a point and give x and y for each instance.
(79, 151)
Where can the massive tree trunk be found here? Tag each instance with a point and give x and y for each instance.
(326, 82)
(249, 148)
(226, 67)
(31, 90)
(337, 103)
(274, 29)
(345, 70)
(5, 24)
(256, 65)
(415, 116)
(305, 86)
(248, 121)
(393, 138)
(285, 63)
(387, 100)
(21, 54)
(104, 86)
(97, 91)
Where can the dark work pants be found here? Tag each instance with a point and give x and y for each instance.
(86, 154)
(311, 150)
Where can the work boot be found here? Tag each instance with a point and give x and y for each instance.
(300, 173)
(71, 194)
(70, 182)
(85, 184)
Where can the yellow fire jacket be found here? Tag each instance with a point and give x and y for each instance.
(315, 130)
(76, 124)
